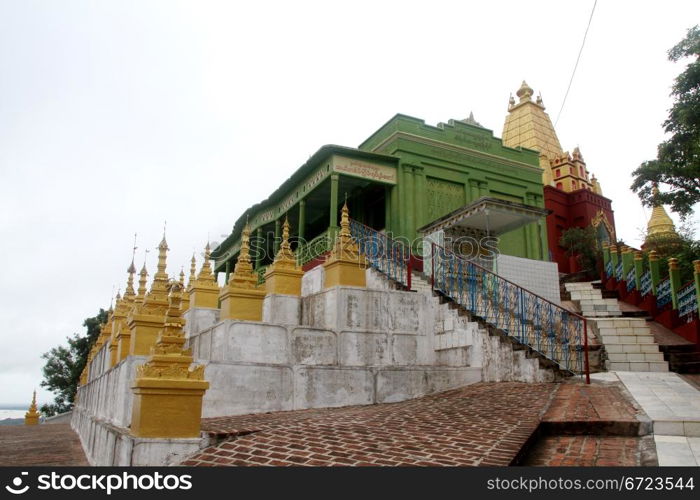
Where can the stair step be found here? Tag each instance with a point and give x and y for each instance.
(680, 348)
(638, 366)
(627, 339)
(634, 347)
(684, 357)
(635, 356)
(689, 367)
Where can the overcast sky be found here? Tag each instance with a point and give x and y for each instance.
(116, 116)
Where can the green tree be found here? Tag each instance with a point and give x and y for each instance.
(683, 247)
(583, 244)
(677, 165)
(64, 364)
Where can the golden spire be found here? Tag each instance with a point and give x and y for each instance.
(205, 274)
(129, 294)
(160, 279)
(524, 92)
(660, 224)
(529, 126)
(143, 278)
(193, 271)
(285, 252)
(244, 263)
(182, 278)
(243, 275)
(32, 416)
(345, 247)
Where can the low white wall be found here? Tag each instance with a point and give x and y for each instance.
(537, 276)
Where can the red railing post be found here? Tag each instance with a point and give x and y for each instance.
(587, 367)
(408, 270)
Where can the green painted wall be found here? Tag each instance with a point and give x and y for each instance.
(438, 169)
(444, 167)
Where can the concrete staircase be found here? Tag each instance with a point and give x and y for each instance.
(496, 350)
(591, 302)
(628, 342)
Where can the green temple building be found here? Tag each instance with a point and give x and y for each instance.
(405, 176)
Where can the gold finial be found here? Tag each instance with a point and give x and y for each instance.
(345, 220)
(524, 92)
(182, 277)
(32, 416)
(696, 266)
(653, 255)
(673, 264)
(143, 279)
(638, 255)
(244, 256)
(193, 270)
(160, 279)
(285, 256)
(206, 274)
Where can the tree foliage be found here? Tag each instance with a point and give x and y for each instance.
(583, 243)
(683, 247)
(677, 165)
(65, 363)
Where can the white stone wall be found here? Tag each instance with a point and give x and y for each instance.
(342, 346)
(537, 276)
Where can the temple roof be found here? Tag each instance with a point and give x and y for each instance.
(527, 125)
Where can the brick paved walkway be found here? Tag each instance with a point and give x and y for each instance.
(585, 451)
(44, 444)
(481, 424)
(592, 425)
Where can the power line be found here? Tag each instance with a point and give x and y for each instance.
(576, 65)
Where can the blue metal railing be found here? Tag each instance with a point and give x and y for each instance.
(556, 333)
(630, 280)
(646, 283)
(663, 293)
(389, 256)
(687, 302)
(314, 248)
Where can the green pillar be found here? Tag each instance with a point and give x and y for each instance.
(627, 262)
(333, 215)
(419, 193)
(655, 269)
(638, 269)
(674, 274)
(302, 219)
(400, 229)
(473, 190)
(394, 206)
(228, 272)
(606, 254)
(614, 257)
(410, 231)
(261, 248)
(387, 209)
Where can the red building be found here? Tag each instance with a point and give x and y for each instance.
(572, 194)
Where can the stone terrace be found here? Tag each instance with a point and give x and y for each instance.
(481, 424)
(22, 445)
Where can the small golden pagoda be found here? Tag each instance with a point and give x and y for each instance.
(204, 291)
(167, 392)
(284, 276)
(120, 332)
(241, 298)
(345, 266)
(147, 318)
(660, 225)
(32, 416)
